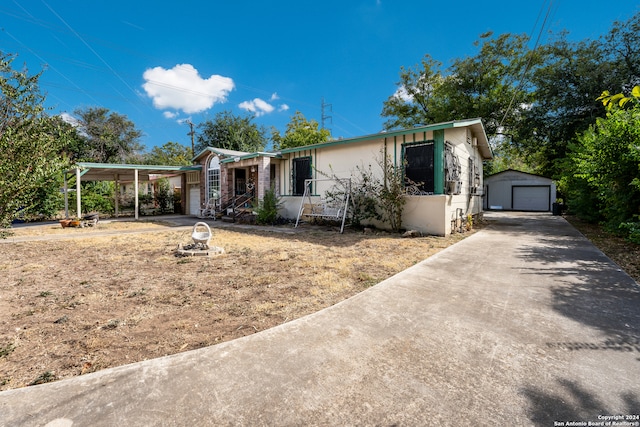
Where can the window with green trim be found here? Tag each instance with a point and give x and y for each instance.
(301, 170)
(419, 166)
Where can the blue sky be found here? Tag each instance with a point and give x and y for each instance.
(161, 63)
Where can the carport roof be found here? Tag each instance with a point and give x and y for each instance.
(126, 172)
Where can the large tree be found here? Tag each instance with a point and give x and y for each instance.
(171, 154)
(107, 137)
(300, 132)
(31, 143)
(487, 85)
(606, 157)
(563, 104)
(416, 101)
(231, 132)
(565, 86)
(622, 45)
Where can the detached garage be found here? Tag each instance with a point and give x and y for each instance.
(513, 190)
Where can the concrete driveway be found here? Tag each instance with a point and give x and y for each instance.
(523, 323)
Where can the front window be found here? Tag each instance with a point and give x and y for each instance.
(301, 172)
(418, 170)
(213, 179)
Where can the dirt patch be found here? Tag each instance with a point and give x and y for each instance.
(621, 251)
(74, 306)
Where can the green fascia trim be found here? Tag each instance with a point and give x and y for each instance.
(199, 154)
(219, 152)
(86, 165)
(389, 134)
(251, 156)
(438, 161)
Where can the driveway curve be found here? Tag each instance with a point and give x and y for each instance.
(523, 323)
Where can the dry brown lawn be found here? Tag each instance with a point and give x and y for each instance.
(74, 306)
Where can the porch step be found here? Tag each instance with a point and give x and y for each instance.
(226, 218)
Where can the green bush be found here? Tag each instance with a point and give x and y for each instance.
(631, 231)
(267, 210)
(98, 197)
(164, 196)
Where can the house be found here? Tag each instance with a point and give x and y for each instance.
(513, 190)
(443, 164)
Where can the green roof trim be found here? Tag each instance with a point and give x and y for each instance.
(88, 165)
(250, 156)
(219, 152)
(391, 134)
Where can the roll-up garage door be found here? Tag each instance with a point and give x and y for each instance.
(194, 200)
(534, 198)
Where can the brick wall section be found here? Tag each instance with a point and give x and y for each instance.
(264, 177)
(226, 184)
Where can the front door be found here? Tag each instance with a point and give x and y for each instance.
(241, 182)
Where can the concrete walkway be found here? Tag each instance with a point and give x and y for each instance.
(523, 323)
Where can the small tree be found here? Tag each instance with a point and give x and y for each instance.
(231, 132)
(300, 132)
(107, 137)
(390, 194)
(31, 144)
(267, 210)
(164, 196)
(362, 199)
(171, 153)
(372, 197)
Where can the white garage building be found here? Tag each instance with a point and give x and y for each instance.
(519, 191)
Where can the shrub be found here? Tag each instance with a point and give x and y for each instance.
(631, 231)
(267, 210)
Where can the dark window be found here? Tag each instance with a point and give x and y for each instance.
(301, 171)
(419, 166)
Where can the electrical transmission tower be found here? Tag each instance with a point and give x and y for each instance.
(324, 116)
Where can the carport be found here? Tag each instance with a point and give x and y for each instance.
(118, 173)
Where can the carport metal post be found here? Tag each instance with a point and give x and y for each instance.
(66, 196)
(78, 202)
(116, 192)
(135, 191)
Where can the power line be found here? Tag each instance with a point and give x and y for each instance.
(115, 73)
(529, 62)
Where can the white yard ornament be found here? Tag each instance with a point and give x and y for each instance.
(201, 235)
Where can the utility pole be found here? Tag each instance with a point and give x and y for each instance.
(192, 133)
(323, 115)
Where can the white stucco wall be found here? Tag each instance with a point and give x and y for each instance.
(426, 214)
(430, 214)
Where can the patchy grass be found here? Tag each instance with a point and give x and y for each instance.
(74, 306)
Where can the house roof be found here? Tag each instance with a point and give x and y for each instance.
(222, 152)
(519, 172)
(250, 156)
(125, 172)
(474, 124)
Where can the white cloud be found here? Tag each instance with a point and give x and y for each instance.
(274, 97)
(403, 94)
(283, 107)
(170, 114)
(69, 119)
(257, 106)
(182, 88)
